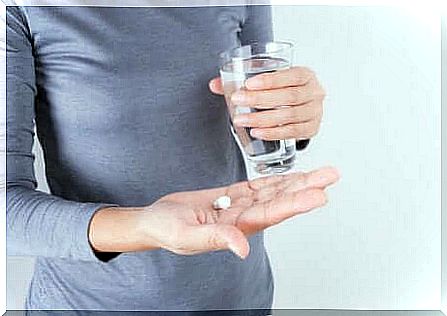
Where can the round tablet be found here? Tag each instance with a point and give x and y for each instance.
(222, 202)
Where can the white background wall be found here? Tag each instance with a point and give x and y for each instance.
(444, 163)
(376, 244)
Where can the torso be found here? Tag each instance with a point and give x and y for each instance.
(125, 116)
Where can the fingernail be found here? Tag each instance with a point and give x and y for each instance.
(255, 133)
(335, 173)
(254, 83)
(241, 120)
(235, 251)
(326, 176)
(238, 98)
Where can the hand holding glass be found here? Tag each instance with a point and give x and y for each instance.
(237, 65)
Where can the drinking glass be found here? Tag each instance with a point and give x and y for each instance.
(237, 65)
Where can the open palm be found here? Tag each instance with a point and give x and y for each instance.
(187, 223)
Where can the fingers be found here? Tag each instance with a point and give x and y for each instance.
(293, 97)
(294, 86)
(318, 179)
(291, 204)
(281, 116)
(260, 183)
(268, 99)
(295, 76)
(215, 86)
(273, 212)
(203, 238)
(278, 198)
(303, 130)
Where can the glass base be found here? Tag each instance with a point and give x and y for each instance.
(272, 168)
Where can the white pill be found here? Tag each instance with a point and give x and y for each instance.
(223, 202)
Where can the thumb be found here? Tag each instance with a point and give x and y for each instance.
(218, 237)
(215, 86)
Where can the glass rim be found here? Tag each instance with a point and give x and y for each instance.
(285, 45)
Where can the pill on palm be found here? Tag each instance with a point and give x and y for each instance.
(222, 202)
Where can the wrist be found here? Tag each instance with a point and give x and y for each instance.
(118, 229)
(146, 228)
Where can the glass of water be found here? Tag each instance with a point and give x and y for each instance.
(237, 65)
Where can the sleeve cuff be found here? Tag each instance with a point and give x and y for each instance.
(302, 144)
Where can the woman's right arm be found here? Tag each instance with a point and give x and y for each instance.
(40, 224)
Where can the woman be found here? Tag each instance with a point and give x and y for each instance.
(136, 148)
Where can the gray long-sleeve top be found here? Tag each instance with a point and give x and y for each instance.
(121, 105)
